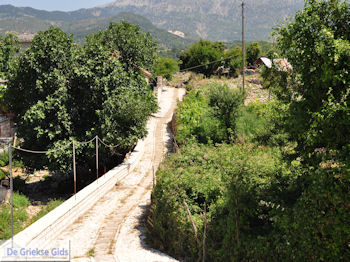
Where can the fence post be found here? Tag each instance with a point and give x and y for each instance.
(74, 171)
(97, 157)
(11, 185)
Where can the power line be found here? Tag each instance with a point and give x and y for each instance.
(222, 59)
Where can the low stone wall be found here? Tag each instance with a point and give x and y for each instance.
(46, 229)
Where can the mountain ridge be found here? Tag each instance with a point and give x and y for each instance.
(218, 20)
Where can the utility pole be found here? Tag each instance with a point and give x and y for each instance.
(243, 45)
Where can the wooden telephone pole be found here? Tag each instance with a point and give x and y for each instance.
(243, 46)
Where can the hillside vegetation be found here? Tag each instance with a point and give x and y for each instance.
(265, 181)
(31, 21)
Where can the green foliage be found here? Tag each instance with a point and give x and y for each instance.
(51, 205)
(20, 203)
(317, 43)
(251, 123)
(202, 53)
(225, 103)
(75, 93)
(9, 46)
(4, 173)
(269, 203)
(209, 116)
(253, 52)
(318, 227)
(195, 120)
(4, 159)
(134, 48)
(232, 181)
(166, 67)
(234, 61)
(260, 123)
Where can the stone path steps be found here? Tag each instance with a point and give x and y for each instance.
(97, 231)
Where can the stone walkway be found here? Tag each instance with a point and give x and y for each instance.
(110, 231)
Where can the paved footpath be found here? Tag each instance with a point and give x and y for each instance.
(111, 230)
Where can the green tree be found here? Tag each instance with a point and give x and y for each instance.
(130, 45)
(166, 67)
(253, 52)
(41, 77)
(317, 90)
(316, 94)
(203, 53)
(75, 93)
(233, 61)
(9, 46)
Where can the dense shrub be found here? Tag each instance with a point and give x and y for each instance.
(203, 53)
(317, 228)
(253, 52)
(196, 121)
(226, 103)
(233, 61)
(233, 182)
(260, 123)
(209, 115)
(288, 201)
(166, 67)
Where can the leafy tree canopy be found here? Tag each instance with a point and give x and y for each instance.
(253, 52)
(233, 61)
(317, 43)
(166, 67)
(205, 53)
(75, 93)
(9, 46)
(130, 45)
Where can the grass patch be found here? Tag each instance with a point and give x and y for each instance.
(20, 203)
(91, 252)
(47, 208)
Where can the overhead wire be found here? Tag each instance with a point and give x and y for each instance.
(193, 67)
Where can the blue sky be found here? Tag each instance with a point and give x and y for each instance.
(61, 5)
